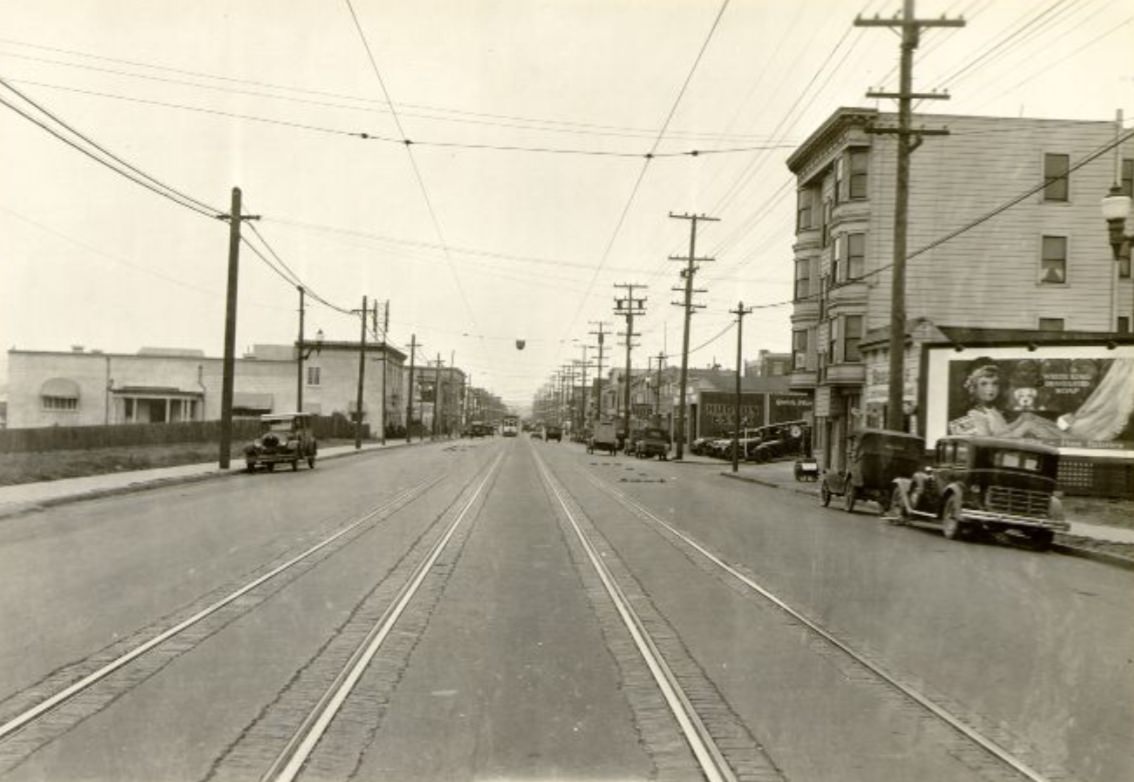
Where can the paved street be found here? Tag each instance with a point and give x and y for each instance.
(516, 609)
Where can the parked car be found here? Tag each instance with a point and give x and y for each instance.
(875, 458)
(652, 441)
(286, 438)
(604, 437)
(553, 432)
(985, 484)
(700, 446)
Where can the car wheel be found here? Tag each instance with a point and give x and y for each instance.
(250, 466)
(898, 506)
(951, 524)
(849, 499)
(294, 465)
(271, 466)
(311, 461)
(884, 502)
(1041, 539)
(824, 494)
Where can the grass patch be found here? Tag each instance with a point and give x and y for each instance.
(16, 468)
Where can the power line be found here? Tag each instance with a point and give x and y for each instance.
(200, 204)
(147, 182)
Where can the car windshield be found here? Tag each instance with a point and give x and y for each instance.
(278, 426)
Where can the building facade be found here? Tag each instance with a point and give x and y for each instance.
(1004, 231)
(156, 385)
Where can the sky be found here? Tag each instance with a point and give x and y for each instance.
(525, 195)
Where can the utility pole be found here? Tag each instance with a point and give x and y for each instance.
(629, 307)
(436, 395)
(361, 376)
(657, 391)
(385, 359)
(739, 312)
(409, 390)
(687, 274)
(583, 365)
(908, 140)
(598, 377)
(234, 219)
(449, 379)
(299, 357)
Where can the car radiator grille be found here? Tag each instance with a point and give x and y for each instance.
(1018, 502)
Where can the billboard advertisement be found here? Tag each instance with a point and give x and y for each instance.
(1077, 397)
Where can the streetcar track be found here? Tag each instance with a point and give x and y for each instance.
(304, 740)
(709, 755)
(927, 706)
(78, 699)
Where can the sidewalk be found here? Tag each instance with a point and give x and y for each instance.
(25, 497)
(1087, 536)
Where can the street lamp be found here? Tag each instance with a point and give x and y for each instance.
(1116, 210)
(317, 347)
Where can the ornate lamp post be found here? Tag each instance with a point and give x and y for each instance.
(1116, 210)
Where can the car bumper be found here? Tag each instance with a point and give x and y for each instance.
(1022, 522)
(273, 458)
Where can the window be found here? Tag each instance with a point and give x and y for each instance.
(799, 349)
(839, 179)
(1123, 325)
(856, 255)
(803, 211)
(832, 339)
(859, 162)
(1124, 268)
(802, 278)
(825, 224)
(1051, 324)
(1128, 177)
(60, 403)
(852, 335)
(1055, 170)
(833, 275)
(1053, 263)
(312, 376)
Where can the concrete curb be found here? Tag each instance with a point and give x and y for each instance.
(158, 483)
(1104, 557)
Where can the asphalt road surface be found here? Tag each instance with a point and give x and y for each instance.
(510, 609)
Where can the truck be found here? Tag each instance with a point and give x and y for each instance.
(603, 438)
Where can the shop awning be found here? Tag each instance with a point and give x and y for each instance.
(60, 388)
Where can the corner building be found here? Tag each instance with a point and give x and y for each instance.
(1037, 266)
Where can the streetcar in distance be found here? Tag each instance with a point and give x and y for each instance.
(510, 426)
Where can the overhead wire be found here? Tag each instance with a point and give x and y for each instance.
(122, 169)
(413, 160)
(646, 163)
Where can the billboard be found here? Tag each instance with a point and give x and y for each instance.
(717, 412)
(1077, 397)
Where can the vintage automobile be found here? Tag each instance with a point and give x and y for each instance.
(604, 437)
(806, 468)
(286, 438)
(985, 484)
(875, 458)
(651, 441)
(553, 432)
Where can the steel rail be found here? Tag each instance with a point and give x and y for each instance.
(701, 742)
(289, 762)
(990, 746)
(37, 711)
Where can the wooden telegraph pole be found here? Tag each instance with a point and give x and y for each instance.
(234, 218)
(739, 312)
(687, 274)
(908, 140)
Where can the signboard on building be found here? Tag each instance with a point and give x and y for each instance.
(789, 407)
(1077, 397)
(717, 412)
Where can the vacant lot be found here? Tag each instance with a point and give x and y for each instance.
(54, 465)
